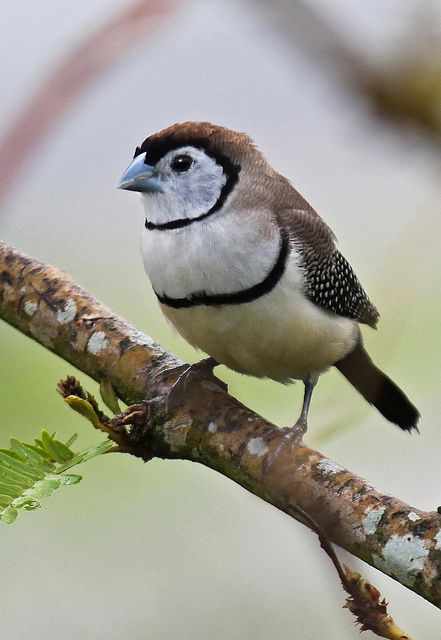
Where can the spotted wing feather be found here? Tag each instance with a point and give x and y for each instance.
(330, 281)
(332, 284)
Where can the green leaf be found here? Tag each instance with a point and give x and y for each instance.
(85, 409)
(71, 440)
(66, 479)
(30, 472)
(15, 478)
(87, 454)
(8, 515)
(26, 502)
(48, 444)
(38, 450)
(109, 396)
(42, 489)
(63, 452)
(12, 490)
(34, 457)
(5, 500)
(9, 462)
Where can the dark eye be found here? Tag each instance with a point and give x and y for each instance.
(181, 163)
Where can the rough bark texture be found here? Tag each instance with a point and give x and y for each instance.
(213, 428)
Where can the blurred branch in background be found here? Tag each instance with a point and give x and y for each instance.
(405, 91)
(408, 90)
(211, 427)
(80, 67)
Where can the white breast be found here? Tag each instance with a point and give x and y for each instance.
(281, 335)
(222, 254)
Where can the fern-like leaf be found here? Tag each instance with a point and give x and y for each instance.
(32, 471)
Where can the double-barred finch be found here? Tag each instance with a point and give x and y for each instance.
(247, 271)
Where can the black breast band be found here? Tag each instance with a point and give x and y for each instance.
(180, 223)
(237, 297)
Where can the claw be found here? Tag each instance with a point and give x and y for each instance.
(137, 437)
(135, 414)
(293, 436)
(291, 439)
(202, 372)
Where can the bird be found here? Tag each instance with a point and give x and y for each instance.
(248, 272)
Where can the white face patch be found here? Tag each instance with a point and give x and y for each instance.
(185, 194)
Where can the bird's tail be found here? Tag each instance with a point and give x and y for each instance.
(378, 389)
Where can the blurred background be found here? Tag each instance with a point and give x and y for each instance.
(344, 99)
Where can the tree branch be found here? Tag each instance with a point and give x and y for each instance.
(213, 428)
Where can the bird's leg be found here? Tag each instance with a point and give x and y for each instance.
(202, 370)
(294, 435)
(299, 429)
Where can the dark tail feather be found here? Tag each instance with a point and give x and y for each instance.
(378, 389)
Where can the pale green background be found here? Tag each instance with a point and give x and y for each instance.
(172, 550)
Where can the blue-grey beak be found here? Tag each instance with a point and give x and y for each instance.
(140, 177)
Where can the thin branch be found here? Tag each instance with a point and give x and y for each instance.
(213, 428)
(364, 599)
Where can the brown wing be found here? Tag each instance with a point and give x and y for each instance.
(330, 281)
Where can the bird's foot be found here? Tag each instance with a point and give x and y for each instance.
(135, 415)
(201, 372)
(297, 432)
(291, 439)
(139, 417)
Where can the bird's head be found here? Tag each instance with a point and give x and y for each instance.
(189, 171)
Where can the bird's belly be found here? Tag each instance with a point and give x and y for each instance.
(281, 335)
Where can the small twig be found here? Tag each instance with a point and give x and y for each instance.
(85, 404)
(72, 387)
(364, 598)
